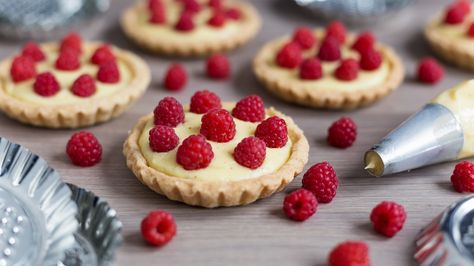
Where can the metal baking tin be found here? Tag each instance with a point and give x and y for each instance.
(37, 215)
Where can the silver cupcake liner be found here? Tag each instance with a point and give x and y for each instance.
(37, 215)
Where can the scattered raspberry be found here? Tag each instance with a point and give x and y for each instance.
(370, 59)
(218, 125)
(364, 41)
(72, 41)
(300, 204)
(108, 72)
(305, 37)
(169, 112)
(191, 6)
(84, 149)
(321, 180)
(218, 67)
(342, 133)
(158, 15)
(350, 253)
(330, 49)
(154, 4)
(470, 31)
(348, 70)
(33, 51)
(22, 68)
(337, 30)
(158, 228)
(68, 60)
(46, 85)
(204, 101)
(311, 69)
(233, 13)
(102, 54)
(217, 19)
(194, 153)
(215, 4)
(250, 152)
(388, 218)
(185, 22)
(273, 131)
(289, 56)
(84, 86)
(175, 78)
(250, 108)
(429, 71)
(463, 177)
(162, 139)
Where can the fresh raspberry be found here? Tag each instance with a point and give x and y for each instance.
(300, 204)
(158, 228)
(215, 4)
(463, 177)
(470, 31)
(457, 12)
(311, 69)
(250, 152)
(342, 133)
(72, 41)
(305, 37)
(191, 6)
(194, 153)
(169, 112)
(233, 13)
(108, 72)
(46, 84)
(217, 19)
(273, 131)
(84, 149)
(350, 253)
(464, 5)
(430, 71)
(330, 49)
(218, 125)
(289, 56)
(162, 139)
(68, 60)
(250, 108)
(388, 218)
(218, 67)
(370, 59)
(337, 30)
(158, 15)
(175, 78)
(33, 51)
(102, 54)
(84, 86)
(154, 4)
(348, 70)
(321, 180)
(22, 68)
(204, 101)
(364, 41)
(185, 22)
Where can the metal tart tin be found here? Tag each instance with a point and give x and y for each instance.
(37, 215)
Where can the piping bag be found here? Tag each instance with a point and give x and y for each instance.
(443, 130)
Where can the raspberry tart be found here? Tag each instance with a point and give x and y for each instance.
(214, 154)
(328, 68)
(190, 27)
(71, 83)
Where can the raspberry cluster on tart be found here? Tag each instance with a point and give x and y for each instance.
(214, 154)
(328, 68)
(190, 27)
(71, 83)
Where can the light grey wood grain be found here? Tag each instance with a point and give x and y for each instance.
(258, 234)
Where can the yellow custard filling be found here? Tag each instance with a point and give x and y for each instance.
(24, 90)
(223, 167)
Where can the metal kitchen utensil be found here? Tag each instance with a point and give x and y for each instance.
(37, 215)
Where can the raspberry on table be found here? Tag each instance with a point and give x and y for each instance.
(204, 101)
(350, 253)
(250, 108)
(348, 70)
(250, 152)
(194, 153)
(162, 138)
(33, 51)
(322, 181)
(364, 41)
(102, 54)
(300, 204)
(370, 59)
(84, 86)
(305, 37)
(72, 41)
(158, 228)
(185, 22)
(330, 49)
(233, 13)
(218, 125)
(289, 56)
(273, 131)
(342, 133)
(169, 112)
(388, 218)
(191, 6)
(462, 178)
(84, 149)
(217, 19)
(429, 71)
(22, 68)
(337, 30)
(311, 69)
(218, 67)
(68, 60)
(158, 15)
(46, 84)
(108, 72)
(175, 78)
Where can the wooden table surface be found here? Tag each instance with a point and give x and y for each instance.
(259, 234)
